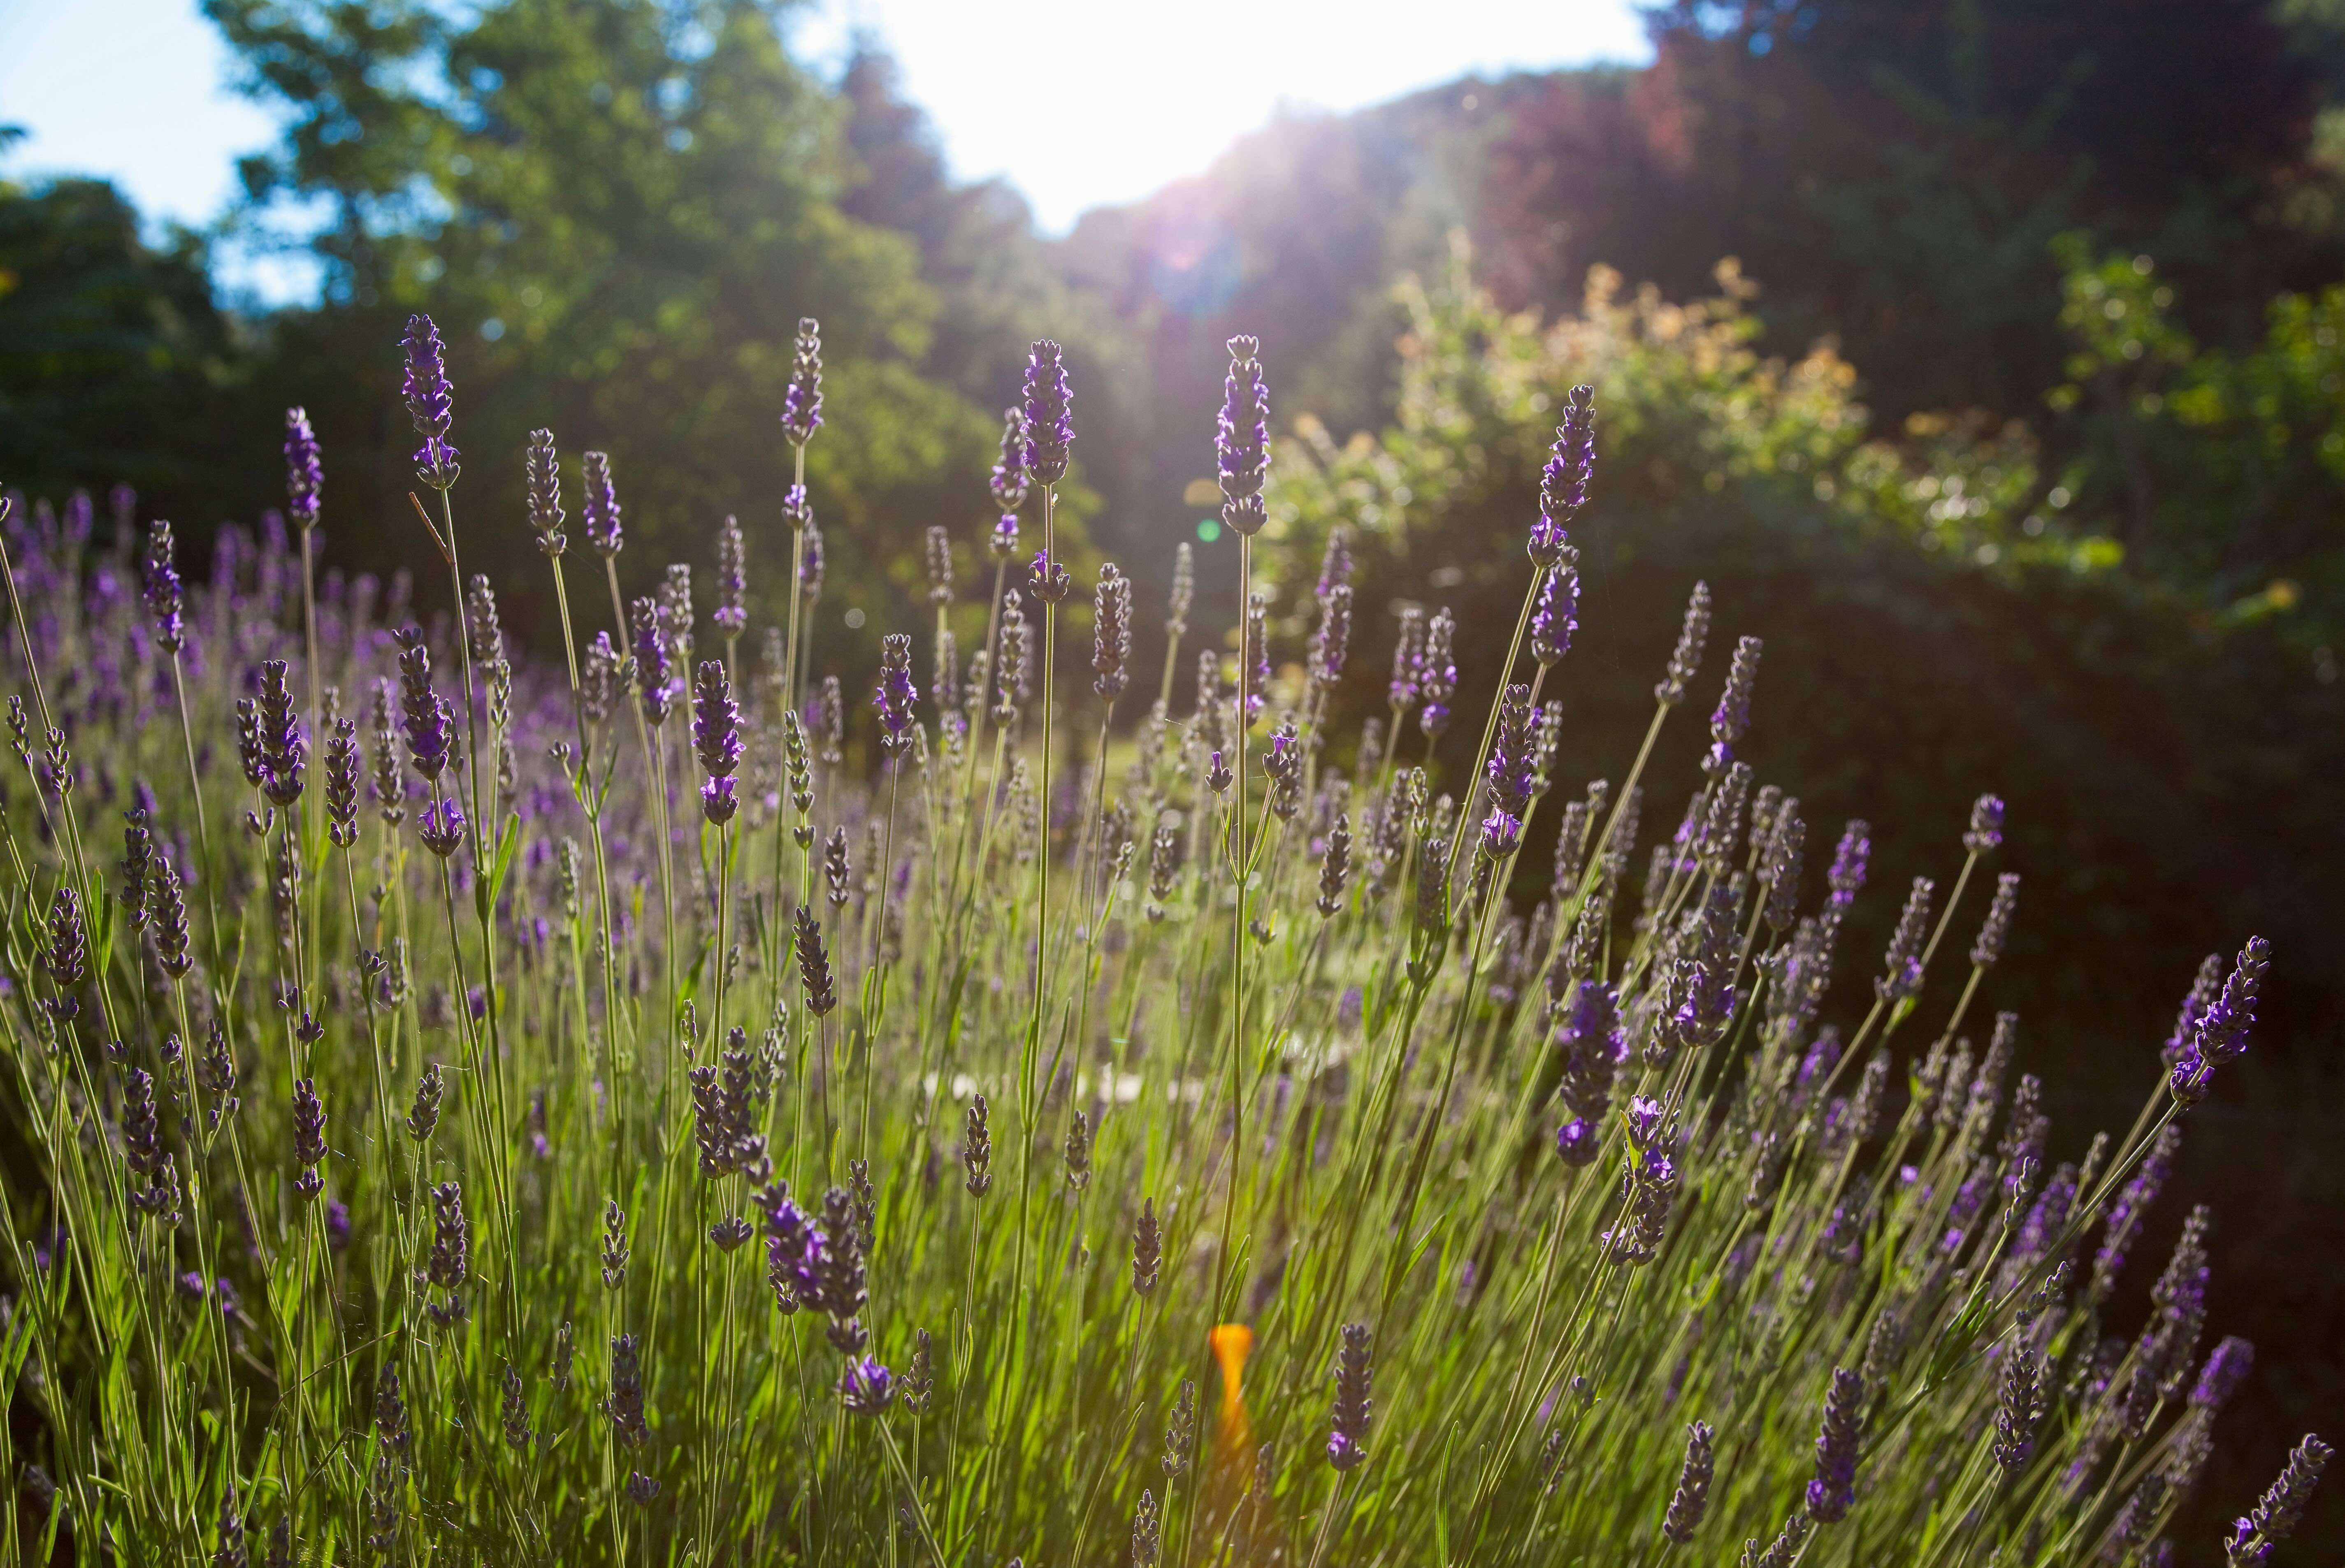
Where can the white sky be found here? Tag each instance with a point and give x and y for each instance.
(1079, 103)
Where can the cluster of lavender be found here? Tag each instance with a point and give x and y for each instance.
(447, 1010)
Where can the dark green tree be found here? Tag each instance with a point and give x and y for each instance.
(618, 212)
(113, 354)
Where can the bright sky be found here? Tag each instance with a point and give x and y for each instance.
(1079, 103)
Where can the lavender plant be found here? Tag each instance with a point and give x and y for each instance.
(1053, 1099)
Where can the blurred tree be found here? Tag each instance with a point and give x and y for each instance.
(112, 352)
(618, 212)
(1896, 168)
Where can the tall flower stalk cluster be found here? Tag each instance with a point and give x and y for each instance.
(1178, 1127)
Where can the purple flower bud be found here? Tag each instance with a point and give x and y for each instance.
(1501, 831)
(1576, 1142)
(442, 827)
(305, 476)
(866, 1387)
(1002, 543)
(1986, 831)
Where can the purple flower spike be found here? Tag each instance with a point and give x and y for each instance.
(654, 676)
(1009, 480)
(1557, 614)
(1436, 681)
(1347, 1439)
(1512, 763)
(897, 693)
(1833, 1490)
(431, 402)
(1243, 442)
(1048, 409)
(431, 726)
(2223, 1028)
(1563, 486)
(716, 736)
(166, 596)
(2227, 1365)
(802, 403)
(305, 476)
(601, 505)
(732, 611)
(1847, 875)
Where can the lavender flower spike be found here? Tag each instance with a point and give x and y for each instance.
(431, 402)
(166, 596)
(802, 402)
(1686, 660)
(1009, 481)
(1903, 963)
(716, 736)
(2223, 1028)
(2274, 1518)
(1243, 442)
(1691, 1499)
(652, 668)
(897, 693)
(2227, 1365)
(1563, 485)
(305, 476)
(1048, 411)
(1833, 1490)
(1348, 1441)
(602, 506)
(732, 611)
(1111, 631)
(1556, 616)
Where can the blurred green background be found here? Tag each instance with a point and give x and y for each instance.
(1983, 355)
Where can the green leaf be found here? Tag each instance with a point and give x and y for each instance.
(506, 843)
